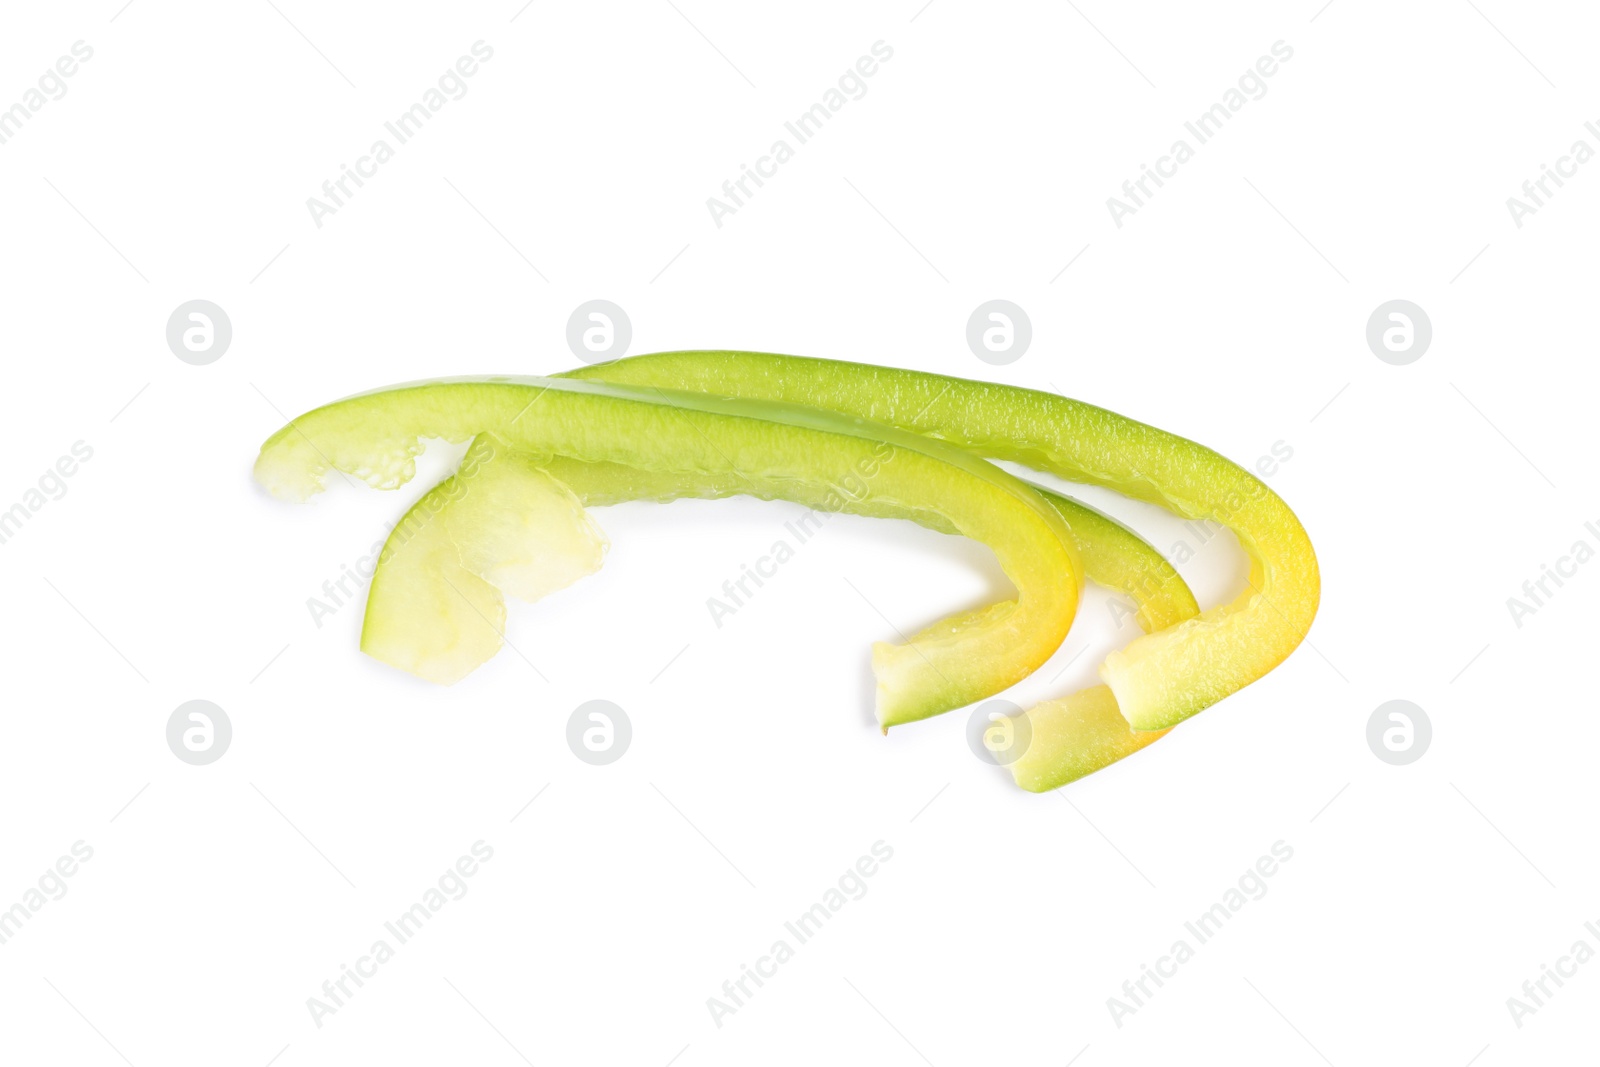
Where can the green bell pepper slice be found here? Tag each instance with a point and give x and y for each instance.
(788, 451)
(1159, 679)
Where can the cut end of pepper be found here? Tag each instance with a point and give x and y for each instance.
(499, 525)
(1072, 737)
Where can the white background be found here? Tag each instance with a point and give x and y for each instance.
(1231, 309)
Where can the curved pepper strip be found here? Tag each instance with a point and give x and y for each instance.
(436, 608)
(513, 522)
(790, 451)
(1116, 558)
(1159, 679)
(1069, 737)
(1112, 556)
